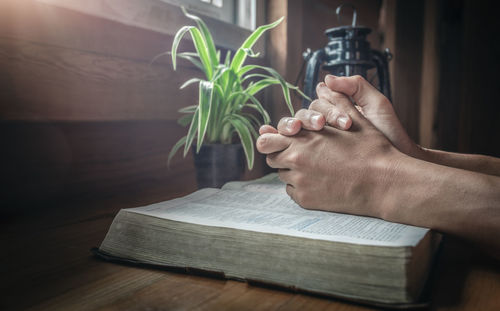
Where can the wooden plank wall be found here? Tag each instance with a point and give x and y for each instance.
(83, 113)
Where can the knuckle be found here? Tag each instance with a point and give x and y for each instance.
(314, 104)
(301, 112)
(295, 158)
(262, 141)
(302, 115)
(332, 116)
(269, 161)
(358, 78)
(283, 122)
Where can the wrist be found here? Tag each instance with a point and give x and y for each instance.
(420, 153)
(387, 172)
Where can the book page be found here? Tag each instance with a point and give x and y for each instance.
(279, 214)
(269, 183)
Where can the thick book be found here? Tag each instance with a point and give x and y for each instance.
(253, 231)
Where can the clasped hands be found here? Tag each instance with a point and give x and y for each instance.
(338, 156)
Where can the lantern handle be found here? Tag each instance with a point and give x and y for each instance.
(354, 13)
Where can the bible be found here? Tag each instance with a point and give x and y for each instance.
(253, 231)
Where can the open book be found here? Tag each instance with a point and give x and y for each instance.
(253, 231)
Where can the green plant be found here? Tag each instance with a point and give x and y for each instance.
(227, 95)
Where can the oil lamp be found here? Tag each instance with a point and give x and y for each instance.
(347, 53)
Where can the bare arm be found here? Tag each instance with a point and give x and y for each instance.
(471, 162)
(455, 201)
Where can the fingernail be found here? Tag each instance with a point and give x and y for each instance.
(289, 125)
(342, 121)
(330, 76)
(315, 119)
(321, 84)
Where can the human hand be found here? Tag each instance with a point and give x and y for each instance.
(335, 170)
(313, 120)
(333, 100)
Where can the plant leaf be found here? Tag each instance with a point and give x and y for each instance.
(248, 124)
(194, 60)
(297, 89)
(227, 61)
(177, 40)
(246, 69)
(202, 49)
(239, 57)
(188, 82)
(251, 53)
(260, 85)
(258, 106)
(174, 149)
(188, 109)
(185, 120)
(284, 86)
(207, 37)
(193, 128)
(205, 106)
(220, 73)
(246, 140)
(256, 75)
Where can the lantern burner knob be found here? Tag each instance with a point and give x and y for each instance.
(354, 13)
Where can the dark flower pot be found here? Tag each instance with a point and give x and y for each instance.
(217, 164)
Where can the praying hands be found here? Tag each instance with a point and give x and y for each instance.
(349, 153)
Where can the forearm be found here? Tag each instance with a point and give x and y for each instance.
(471, 162)
(450, 200)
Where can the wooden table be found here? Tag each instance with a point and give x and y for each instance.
(46, 265)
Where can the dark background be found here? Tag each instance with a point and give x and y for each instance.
(84, 117)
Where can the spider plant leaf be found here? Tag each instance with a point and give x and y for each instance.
(185, 120)
(246, 140)
(219, 73)
(158, 56)
(260, 85)
(227, 61)
(251, 53)
(256, 75)
(297, 89)
(193, 128)
(175, 148)
(188, 109)
(207, 37)
(284, 86)
(219, 98)
(240, 56)
(205, 106)
(177, 40)
(256, 123)
(189, 82)
(202, 49)
(258, 106)
(243, 70)
(194, 60)
(248, 124)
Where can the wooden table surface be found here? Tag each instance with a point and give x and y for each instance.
(46, 265)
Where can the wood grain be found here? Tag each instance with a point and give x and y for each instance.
(42, 82)
(46, 265)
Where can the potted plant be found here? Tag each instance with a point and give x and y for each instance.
(225, 104)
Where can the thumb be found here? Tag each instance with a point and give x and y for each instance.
(362, 92)
(376, 108)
